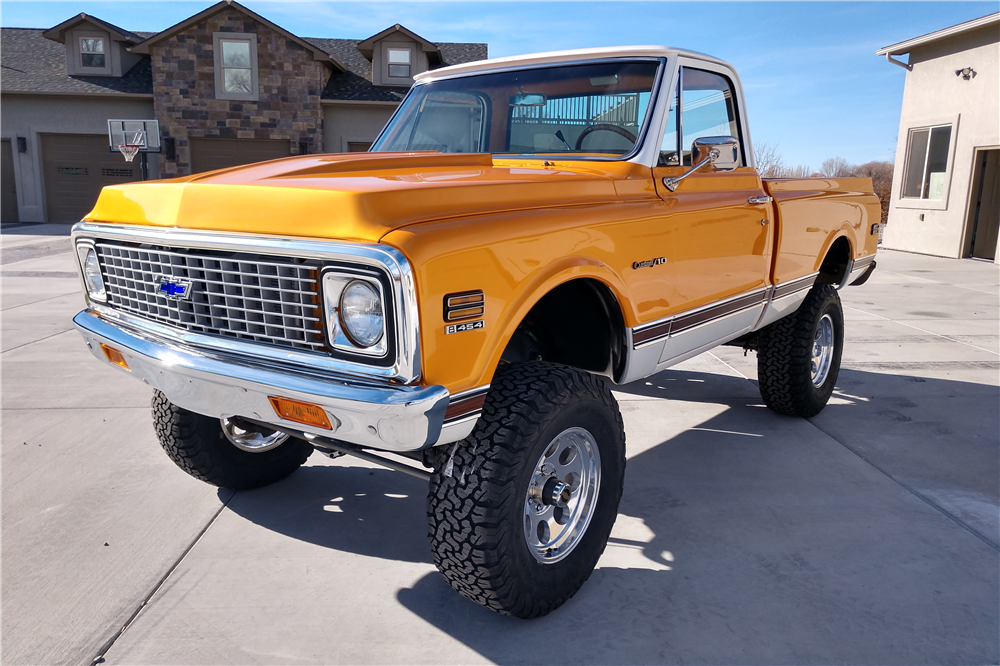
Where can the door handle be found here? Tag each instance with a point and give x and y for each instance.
(759, 200)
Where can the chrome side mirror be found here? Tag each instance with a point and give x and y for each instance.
(721, 152)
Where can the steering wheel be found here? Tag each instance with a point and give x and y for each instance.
(604, 128)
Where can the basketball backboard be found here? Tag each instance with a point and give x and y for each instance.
(142, 133)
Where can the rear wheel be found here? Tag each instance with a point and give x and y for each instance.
(520, 512)
(798, 357)
(229, 453)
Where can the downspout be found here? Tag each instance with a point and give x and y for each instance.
(909, 68)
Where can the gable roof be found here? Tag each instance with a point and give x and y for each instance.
(58, 33)
(318, 54)
(961, 28)
(356, 83)
(33, 64)
(367, 46)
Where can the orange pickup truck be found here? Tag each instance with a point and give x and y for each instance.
(456, 303)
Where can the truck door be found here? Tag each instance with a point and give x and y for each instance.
(719, 239)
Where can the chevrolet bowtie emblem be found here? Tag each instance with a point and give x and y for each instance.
(175, 289)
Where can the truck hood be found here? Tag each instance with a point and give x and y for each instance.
(359, 196)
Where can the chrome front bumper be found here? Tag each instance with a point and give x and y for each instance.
(371, 415)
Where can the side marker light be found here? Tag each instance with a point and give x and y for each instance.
(115, 356)
(300, 412)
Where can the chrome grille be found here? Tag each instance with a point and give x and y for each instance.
(273, 300)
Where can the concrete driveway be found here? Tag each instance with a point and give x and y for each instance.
(866, 535)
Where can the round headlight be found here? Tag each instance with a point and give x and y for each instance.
(92, 276)
(361, 313)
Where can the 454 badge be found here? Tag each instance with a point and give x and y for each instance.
(461, 328)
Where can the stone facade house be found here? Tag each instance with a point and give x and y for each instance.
(227, 87)
(946, 185)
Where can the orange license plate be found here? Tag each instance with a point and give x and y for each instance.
(300, 412)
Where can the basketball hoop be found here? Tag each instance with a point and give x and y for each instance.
(134, 137)
(129, 152)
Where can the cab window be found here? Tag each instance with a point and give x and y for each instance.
(708, 108)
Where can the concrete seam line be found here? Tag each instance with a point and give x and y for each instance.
(68, 330)
(156, 588)
(947, 284)
(917, 328)
(728, 366)
(944, 512)
(24, 305)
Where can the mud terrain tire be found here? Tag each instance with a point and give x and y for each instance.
(785, 355)
(199, 447)
(480, 489)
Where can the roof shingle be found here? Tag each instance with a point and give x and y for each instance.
(30, 63)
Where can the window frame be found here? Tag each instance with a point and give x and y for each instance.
(389, 63)
(220, 88)
(103, 52)
(903, 156)
(649, 155)
(397, 81)
(74, 53)
(687, 160)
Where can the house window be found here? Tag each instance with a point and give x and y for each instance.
(92, 52)
(235, 66)
(927, 163)
(399, 63)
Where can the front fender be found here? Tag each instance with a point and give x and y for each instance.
(513, 270)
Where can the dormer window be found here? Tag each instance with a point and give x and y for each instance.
(235, 66)
(399, 63)
(92, 52)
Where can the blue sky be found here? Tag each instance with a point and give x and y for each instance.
(814, 86)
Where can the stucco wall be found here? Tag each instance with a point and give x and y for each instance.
(31, 115)
(934, 95)
(343, 123)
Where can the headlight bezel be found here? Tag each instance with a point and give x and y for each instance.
(83, 251)
(334, 280)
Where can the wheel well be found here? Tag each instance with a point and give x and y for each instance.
(579, 323)
(833, 270)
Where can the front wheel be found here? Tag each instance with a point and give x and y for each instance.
(519, 513)
(798, 357)
(229, 453)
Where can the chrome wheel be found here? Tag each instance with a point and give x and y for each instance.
(822, 351)
(250, 436)
(562, 495)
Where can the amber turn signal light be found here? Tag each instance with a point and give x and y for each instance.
(300, 412)
(115, 356)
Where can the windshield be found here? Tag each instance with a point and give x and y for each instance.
(594, 110)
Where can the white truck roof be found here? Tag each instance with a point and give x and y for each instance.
(557, 57)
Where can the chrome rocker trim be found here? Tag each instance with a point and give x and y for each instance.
(368, 414)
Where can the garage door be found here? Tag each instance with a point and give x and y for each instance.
(76, 167)
(8, 193)
(211, 154)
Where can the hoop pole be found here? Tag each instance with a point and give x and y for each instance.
(143, 166)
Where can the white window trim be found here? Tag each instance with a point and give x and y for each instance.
(398, 80)
(220, 91)
(78, 54)
(389, 63)
(927, 204)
